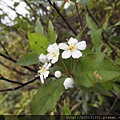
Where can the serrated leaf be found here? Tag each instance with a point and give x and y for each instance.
(38, 27)
(94, 68)
(38, 43)
(46, 97)
(52, 36)
(97, 88)
(91, 24)
(97, 40)
(28, 59)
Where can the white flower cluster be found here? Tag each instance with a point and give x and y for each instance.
(73, 48)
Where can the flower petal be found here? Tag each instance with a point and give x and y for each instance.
(72, 41)
(46, 74)
(52, 47)
(63, 46)
(66, 54)
(43, 58)
(81, 45)
(68, 83)
(76, 54)
(41, 78)
(54, 60)
(57, 74)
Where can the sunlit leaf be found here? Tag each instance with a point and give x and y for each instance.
(52, 36)
(38, 27)
(47, 96)
(38, 42)
(28, 59)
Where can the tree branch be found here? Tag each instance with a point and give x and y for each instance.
(91, 15)
(15, 70)
(80, 20)
(11, 59)
(115, 101)
(57, 10)
(20, 86)
(11, 81)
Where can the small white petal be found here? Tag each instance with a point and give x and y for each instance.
(63, 46)
(41, 78)
(46, 74)
(54, 60)
(49, 55)
(43, 58)
(66, 54)
(68, 83)
(48, 65)
(81, 45)
(53, 53)
(76, 54)
(57, 74)
(72, 41)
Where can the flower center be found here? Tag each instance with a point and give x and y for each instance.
(72, 47)
(43, 70)
(53, 54)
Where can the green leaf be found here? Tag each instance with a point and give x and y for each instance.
(66, 109)
(47, 96)
(52, 36)
(116, 88)
(97, 88)
(83, 2)
(16, 4)
(91, 24)
(28, 59)
(94, 68)
(115, 39)
(38, 42)
(107, 85)
(97, 40)
(38, 27)
(73, 1)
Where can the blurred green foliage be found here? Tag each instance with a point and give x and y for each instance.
(13, 35)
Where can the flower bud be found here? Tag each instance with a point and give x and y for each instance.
(68, 83)
(43, 58)
(57, 74)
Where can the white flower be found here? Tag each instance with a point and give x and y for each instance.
(43, 58)
(57, 74)
(73, 48)
(68, 83)
(53, 53)
(43, 72)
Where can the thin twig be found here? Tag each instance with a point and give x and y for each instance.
(13, 69)
(4, 49)
(57, 10)
(115, 101)
(91, 15)
(18, 87)
(80, 20)
(11, 81)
